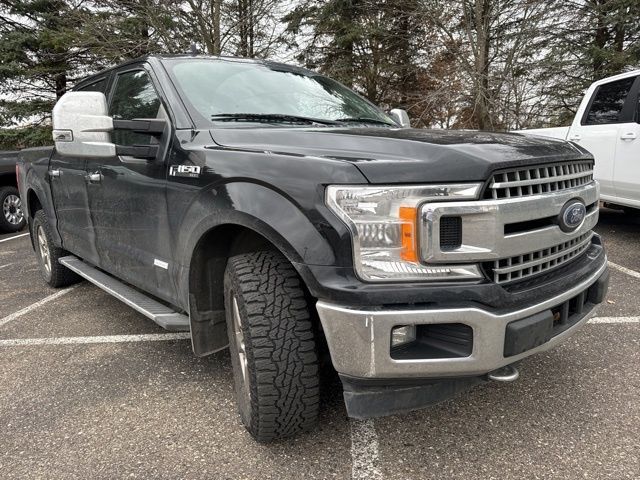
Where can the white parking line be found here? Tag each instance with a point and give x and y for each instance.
(364, 450)
(614, 320)
(626, 270)
(151, 337)
(33, 306)
(14, 237)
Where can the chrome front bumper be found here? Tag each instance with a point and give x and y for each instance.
(359, 340)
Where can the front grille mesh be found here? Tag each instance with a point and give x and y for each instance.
(529, 264)
(541, 179)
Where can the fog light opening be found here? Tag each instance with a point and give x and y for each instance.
(403, 335)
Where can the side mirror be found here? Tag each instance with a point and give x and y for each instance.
(81, 127)
(401, 117)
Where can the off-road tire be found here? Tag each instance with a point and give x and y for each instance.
(5, 225)
(278, 395)
(57, 275)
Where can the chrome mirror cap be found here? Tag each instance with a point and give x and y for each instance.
(401, 117)
(81, 125)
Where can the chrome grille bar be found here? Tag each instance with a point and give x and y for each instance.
(522, 182)
(533, 263)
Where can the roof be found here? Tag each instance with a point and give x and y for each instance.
(188, 56)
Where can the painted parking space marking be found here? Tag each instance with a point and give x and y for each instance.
(626, 270)
(614, 320)
(150, 337)
(364, 450)
(14, 237)
(33, 306)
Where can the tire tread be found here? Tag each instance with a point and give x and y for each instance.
(281, 348)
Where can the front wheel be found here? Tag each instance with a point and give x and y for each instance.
(11, 214)
(272, 343)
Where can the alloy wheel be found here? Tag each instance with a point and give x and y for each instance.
(43, 246)
(12, 209)
(238, 335)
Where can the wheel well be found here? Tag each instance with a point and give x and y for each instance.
(33, 202)
(209, 260)
(206, 276)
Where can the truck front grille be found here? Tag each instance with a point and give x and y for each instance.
(538, 180)
(526, 265)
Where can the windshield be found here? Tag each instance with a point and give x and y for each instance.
(231, 91)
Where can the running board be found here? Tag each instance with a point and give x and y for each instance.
(156, 311)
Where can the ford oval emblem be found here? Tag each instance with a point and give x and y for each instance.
(572, 215)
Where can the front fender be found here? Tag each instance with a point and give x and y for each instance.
(254, 206)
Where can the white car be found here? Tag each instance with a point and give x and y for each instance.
(608, 125)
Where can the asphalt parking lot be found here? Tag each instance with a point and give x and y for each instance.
(91, 389)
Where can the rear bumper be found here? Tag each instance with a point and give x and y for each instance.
(360, 345)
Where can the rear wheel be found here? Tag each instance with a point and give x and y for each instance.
(11, 214)
(273, 348)
(54, 273)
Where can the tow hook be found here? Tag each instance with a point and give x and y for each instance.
(508, 373)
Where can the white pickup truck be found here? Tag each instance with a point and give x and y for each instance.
(608, 125)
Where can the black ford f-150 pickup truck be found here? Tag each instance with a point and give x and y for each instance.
(272, 210)
(11, 217)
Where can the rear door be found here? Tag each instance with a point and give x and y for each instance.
(127, 195)
(626, 169)
(69, 189)
(599, 129)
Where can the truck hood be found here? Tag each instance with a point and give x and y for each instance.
(390, 155)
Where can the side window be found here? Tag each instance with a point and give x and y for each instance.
(608, 102)
(133, 97)
(99, 86)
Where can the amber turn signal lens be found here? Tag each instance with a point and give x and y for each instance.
(409, 216)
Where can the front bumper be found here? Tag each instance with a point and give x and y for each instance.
(360, 340)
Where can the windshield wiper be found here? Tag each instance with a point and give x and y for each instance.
(269, 118)
(365, 120)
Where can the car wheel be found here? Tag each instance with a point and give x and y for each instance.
(272, 344)
(11, 214)
(48, 254)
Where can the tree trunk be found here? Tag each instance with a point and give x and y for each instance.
(61, 84)
(482, 115)
(216, 49)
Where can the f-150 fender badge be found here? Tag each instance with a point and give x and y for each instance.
(190, 171)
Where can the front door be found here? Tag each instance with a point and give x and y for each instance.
(599, 130)
(127, 195)
(626, 171)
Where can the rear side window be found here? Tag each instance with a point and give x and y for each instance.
(99, 86)
(133, 97)
(608, 104)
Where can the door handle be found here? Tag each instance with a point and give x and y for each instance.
(95, 177)
(55, 173)
(576, 137)
(628, 136)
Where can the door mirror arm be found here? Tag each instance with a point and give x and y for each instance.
(137, 151)
(154, 126)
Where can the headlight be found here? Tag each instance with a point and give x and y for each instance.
(384, 226)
